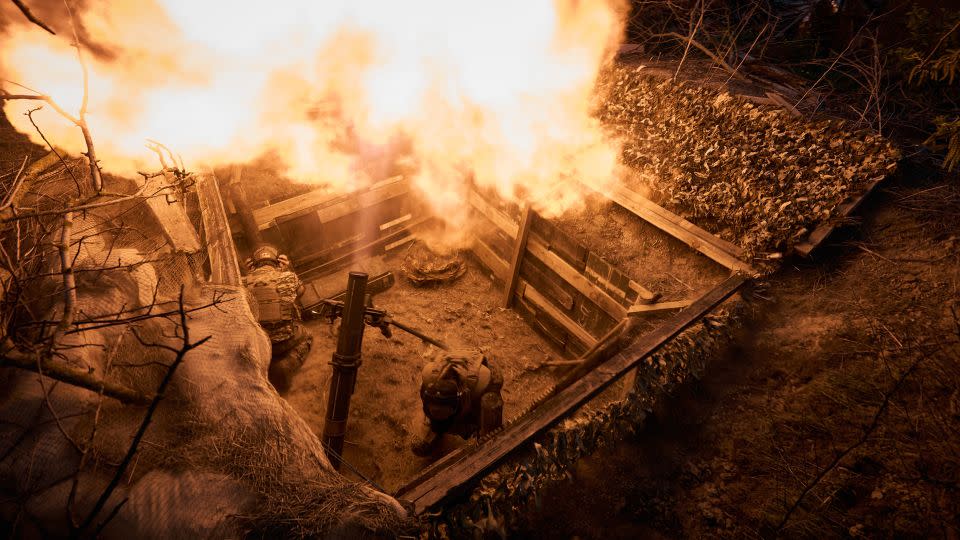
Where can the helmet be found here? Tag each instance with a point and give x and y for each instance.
(264, 254)
(441, 398)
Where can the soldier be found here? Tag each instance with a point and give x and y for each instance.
(460, 392)
(276, 290)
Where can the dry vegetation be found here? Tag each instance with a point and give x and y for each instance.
(759, 177)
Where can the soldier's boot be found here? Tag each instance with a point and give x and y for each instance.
(284, 368)
(423, 446)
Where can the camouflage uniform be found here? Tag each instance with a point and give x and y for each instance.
(276, 292)
(472, 392)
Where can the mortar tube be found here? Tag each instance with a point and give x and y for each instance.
(345, 362)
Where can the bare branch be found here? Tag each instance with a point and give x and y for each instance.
(29, 114)
(703, 48)
(87, 137)
(15, 186)
(859, 442)
(186, 347)
(90, 440)
(31, 17)
(69, 280)
(82, 207)
(61, 371)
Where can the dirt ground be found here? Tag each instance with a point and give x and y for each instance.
(385, 415)
(842, 394)
(385, 411)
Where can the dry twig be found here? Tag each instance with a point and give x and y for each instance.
(180, 354)
(884, 404)
(31, 17)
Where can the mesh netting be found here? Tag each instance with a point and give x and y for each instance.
(223, 456)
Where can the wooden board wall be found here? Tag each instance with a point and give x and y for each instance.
(321, 232)
(567, 293)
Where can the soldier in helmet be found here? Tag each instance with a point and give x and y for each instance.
(276, 290)
(460, 391)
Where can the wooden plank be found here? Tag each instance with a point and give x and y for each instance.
(498, 218)
(265, 215)
(718, 249)
(331, 206)
(661, 306)
(821, 233)
(398, 221)
(470, 462)
(576, 279)
(394, 245)
(560, 243)
(519, 248)
(543, 324)
(497, 266)
(221, 253)
(526, 291)
(364, 199)
(384, 240)
(172, 215)
(553, 287)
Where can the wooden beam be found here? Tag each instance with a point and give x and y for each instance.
(823, 231)
(542, 303)
(331, 206)
(384, 240)
(661, 306)
(576, 279)
(495, 264)
(525, 290)
(174, 222)
(718, 249)
(516, 258)
(498, 218)
(222, 254)
(376, 194)
(468, 463)
(238, 195)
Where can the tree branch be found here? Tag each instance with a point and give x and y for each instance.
(186, 347)
(31, 17)
(29, 114)
(15, 186)
(82, 124)
(863, 438)
(13, 357)
(719, 61)
(69, 280)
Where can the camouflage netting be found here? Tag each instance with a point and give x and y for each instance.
(224, 455)
(755, 175)
(501, 500)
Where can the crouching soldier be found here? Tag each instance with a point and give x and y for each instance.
(276, 291)
(460, 392)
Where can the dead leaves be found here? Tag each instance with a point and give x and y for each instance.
(758, 174)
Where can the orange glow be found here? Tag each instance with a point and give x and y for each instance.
(498, 89)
